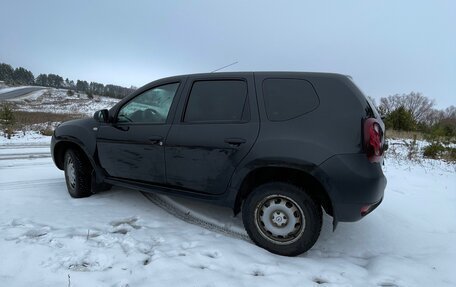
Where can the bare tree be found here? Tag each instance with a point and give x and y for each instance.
(417, 104)
(450, 112)
(434, 116)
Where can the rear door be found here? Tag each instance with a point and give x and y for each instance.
(215, 126)
(132, 146)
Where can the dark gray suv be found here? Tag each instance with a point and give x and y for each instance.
(278, 146)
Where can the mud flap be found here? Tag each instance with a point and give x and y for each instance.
(335, 222)
(97, 184)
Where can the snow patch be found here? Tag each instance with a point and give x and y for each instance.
(59, 101)
(10, 89)
(31, 138)
(118, 238)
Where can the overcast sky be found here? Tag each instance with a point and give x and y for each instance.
(387, 47)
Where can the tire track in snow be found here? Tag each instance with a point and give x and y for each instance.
(26, 183)
(24, 146)
(25, 155)
(188, 217)
(11, 152)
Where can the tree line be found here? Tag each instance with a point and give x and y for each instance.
(21, 76)
(416, 112)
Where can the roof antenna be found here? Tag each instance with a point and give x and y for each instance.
(234, 63)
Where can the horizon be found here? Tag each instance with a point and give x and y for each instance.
(387, 48)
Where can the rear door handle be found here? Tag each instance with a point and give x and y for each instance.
(156, 140)
(235, 141)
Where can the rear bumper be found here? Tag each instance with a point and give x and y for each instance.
(355, 185)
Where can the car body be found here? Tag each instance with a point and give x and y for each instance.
(219, 136)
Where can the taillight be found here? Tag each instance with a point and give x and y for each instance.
(373, 140)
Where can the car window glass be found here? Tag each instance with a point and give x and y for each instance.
(217, 101)
(288, 98)
(152, 106)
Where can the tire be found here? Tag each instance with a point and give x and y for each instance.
(282, 218)
(77, 174)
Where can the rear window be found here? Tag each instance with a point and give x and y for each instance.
(217, 101)
(285, 99)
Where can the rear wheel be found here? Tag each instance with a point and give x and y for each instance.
(77, 174)
(282, 218)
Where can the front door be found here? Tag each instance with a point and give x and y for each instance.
(217, 128)
(132, 146)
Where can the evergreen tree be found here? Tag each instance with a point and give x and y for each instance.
(6, 73)
(22, 76)
(82, 86)
(400, 119)
(96, 88)
(55, 81)
(7, 119)
(42, 80)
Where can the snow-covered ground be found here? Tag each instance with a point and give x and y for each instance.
(10, 89)
(118, 238)
(58, 101)
(24, 139)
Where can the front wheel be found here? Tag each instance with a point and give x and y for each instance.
(282, 218)
(77, 174)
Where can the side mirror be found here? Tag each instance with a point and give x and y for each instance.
(101, 116)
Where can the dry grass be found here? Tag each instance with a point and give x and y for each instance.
(23, 118)
(393, 134)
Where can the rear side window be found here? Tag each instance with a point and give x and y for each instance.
(217, 101)
(285, 99)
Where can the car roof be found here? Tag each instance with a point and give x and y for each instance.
(265, 73)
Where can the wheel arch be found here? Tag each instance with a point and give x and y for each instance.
(299, 176)
(62, 146)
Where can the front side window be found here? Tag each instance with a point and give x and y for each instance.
(217, 101)
(152, 106)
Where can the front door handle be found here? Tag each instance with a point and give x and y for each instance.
(122, 128)
(235, 141)
(156, 140)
